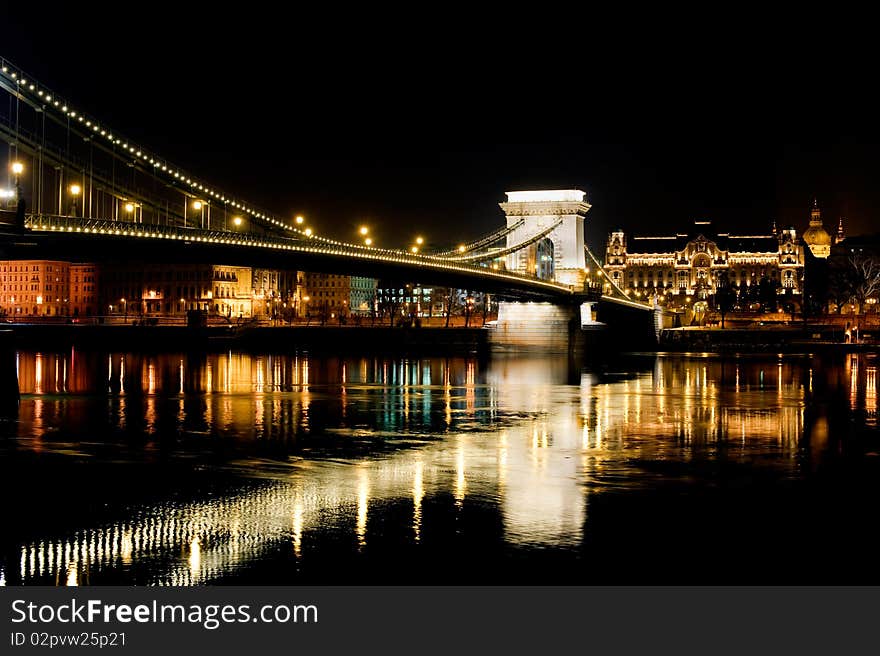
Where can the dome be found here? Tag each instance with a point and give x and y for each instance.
(817, 236)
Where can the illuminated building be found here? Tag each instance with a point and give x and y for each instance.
(277, 293)
(816, 237)
(83, 290)
(689, 265)
(36, 287)
(362, 298)
(163, 289)
(329, 295)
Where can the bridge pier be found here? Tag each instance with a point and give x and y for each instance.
(545, 326)
(593, 326)
(9, 392)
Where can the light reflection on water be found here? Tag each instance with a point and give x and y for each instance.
(391, 451)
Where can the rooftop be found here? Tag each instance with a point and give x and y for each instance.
(544, 195)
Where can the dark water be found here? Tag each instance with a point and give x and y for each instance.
(177, 469)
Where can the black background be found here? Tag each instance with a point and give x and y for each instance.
(416, 120)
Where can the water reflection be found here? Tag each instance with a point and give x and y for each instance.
(374, 453)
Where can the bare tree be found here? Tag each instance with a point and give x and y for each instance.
(866, 277)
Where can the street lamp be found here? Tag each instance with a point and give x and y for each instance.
(368, 241)
(75, 191)
(236, 221)
(364, 230)
(419, 241)
(17, 170)
(299, 219)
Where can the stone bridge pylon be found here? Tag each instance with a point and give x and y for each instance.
(558, 255)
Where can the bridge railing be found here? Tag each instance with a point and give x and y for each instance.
(70, 224)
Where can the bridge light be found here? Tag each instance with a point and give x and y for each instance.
(415, 249)
(129, 207)
(197, 205)
(420, 241)
(17, 168)
(364, 230)
(299, 220)
(308, 232)
(236, 220)
(368, 241)
(461, 249)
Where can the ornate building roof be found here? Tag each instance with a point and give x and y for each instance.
(724, 241)
(816, 237)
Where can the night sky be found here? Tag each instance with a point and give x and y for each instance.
(421, 130)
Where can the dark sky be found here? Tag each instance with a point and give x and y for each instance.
(421, 126)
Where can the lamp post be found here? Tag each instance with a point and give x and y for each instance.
(17, 170)
(75, 190)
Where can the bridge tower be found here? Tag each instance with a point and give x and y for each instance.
(560, 254)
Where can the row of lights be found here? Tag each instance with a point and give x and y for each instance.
(308, 232)
(75, 190)
(160, 166)
(46, 96)
(395, 255)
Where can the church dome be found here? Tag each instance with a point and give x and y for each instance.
(816, 235)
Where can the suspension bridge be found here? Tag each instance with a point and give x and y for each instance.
(79, 189)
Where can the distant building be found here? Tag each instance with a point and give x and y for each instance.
(688, 266)
(328, 295)
(134, 288)
(35, 288)
(816, 237)
(362, 295)
(84, 295)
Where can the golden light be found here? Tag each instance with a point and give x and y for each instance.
(364, 230)
(307, 298)
(461, 249)
(415, 249)
(129, 207)
(197, 205)
(308, 232)
(420, 241)
(75, 189)
(17, 168)
(299, 220)
(237, 220)
(368, 241)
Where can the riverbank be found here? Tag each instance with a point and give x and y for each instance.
(778, 339)
(325, 339)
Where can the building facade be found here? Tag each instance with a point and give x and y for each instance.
(328, 295)
(84, 299)
(36, 288)
(134, 288)
(362, 295)
(688, 267)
